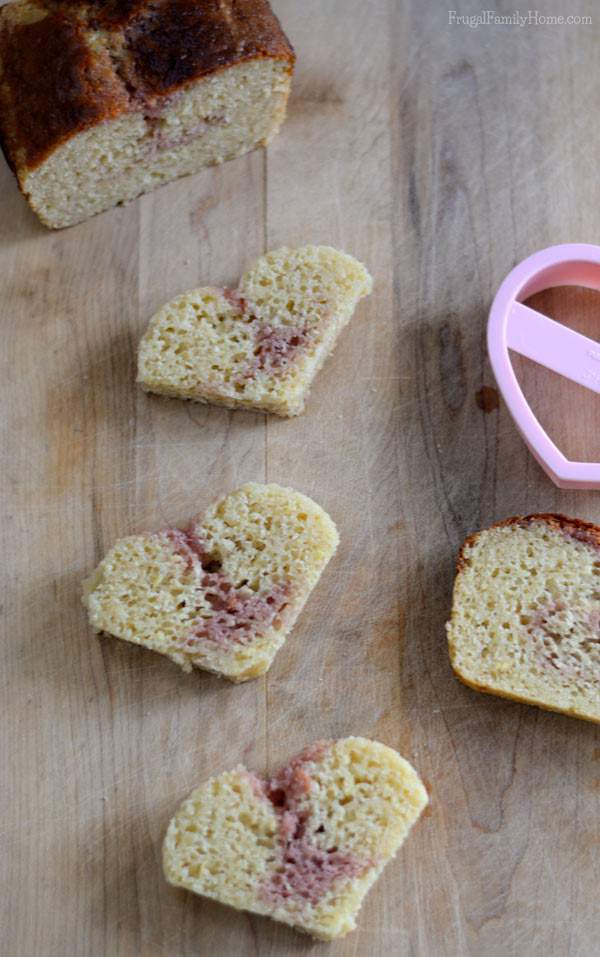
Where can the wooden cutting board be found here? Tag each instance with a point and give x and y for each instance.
(439, 155)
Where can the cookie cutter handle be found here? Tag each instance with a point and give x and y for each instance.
(537, 337)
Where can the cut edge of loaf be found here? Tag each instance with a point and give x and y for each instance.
(579, 530)
(133, 116)
(86, 186)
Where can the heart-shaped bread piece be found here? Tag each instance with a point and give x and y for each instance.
(304, 846)
(258, 346)
(223, 594)
(525, 620)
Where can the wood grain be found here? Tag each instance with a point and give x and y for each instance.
(440, 156)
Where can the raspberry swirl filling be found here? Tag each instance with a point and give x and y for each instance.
(276, 346)
(238, 614)
(305, 870)
(566, 647)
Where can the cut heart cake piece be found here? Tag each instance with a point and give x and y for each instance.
(525, 620)
(303, 846)
(258, 346)
(223, 594)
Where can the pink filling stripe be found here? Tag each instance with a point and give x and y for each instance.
(238, 614)
(305, 871)
(545, 633)
(276, 346)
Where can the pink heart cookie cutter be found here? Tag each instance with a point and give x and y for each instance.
(515, 326)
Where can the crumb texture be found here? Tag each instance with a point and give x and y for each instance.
(102, 101)
(258, 346)
(223, 594)
(303, 846)
(525, 617)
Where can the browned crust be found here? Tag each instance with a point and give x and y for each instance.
(178, 41)
(54, 85)
(576, 528)
(521, 699)
(105, 14)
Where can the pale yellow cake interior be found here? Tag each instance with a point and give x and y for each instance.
(216, 119)
(526, 618)
(225, 841)
(206, 344)
(262, 537)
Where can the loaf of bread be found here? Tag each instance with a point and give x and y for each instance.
(304, 846)
(525, 620)
(258, 346)
(101, 100)
(223, 594)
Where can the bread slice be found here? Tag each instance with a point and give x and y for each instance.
(101, 100)
(223, 594)
(258, 346)
(525, 620)
(304, 846)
